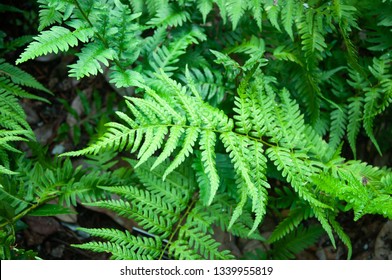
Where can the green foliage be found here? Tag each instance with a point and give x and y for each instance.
(158, 206)
(239, 110)
(13, 124)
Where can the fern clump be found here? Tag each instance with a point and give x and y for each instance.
(307, 162)
(159, 207)
(236, 110)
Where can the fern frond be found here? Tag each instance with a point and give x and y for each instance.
(312, 40)
(48, 14)
(338, 126)
(241, 159)
(235, 10)
(146, 218)
(354, 121)
(371, 98)
(290, 223)
(8, 86)
(181, 250)
(272, 9)
(51, 41)
(257, 11)
(322, 217)
(205, 244)
(90, 59)
(221, 209)
(288, 15)
(205, 7)
(143, 200)
(12, 115)
(206, 82)
(19, 76)
(295, 242)
(191, 136)
(171, 188)
(343, 236)
(125, 78)
(13, 201)
(118, 252)
(118, 137)
(297, 169)
(136, 247)
(207, 147)
(165, 57)
(169, 15)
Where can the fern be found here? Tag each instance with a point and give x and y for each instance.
(51, 41)
(13, 124)
(293, 149)
(169, 16)
(152, 207)
(207, 127)
(89, 60)
(355, 114)
(287, 248)
(123, 245)
(290, 223)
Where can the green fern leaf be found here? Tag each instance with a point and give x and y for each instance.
(181, 250)
(169, 189)
(290, 223)
(118, 252)
(139, 247)
(312, 40)
(143, 200)
(205, 244)
(9, 87)
(17, 204)
(149, 148)
(207, 147)
(19, 76)
(240, 157)
(165, 58)
(169, 16)
(272, 10)
(257, 11)
(145, 218)
(354, 118)
(288, 14)
(118, 137)
(89, 60)
(296, 242)
(338, 126)
(14, 114)
(175, 134)
(51, 41)
(48, 15)
(322, 217)
(205, 7)
(235, 10)
(125, 78)
(191, 136)
(343, 236)
(208, 83)
(298, 170)
(371, 98)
